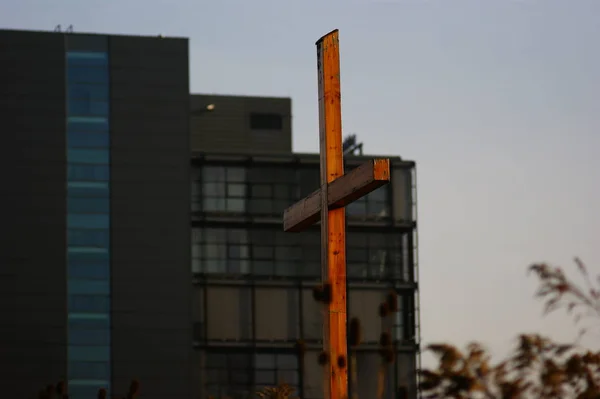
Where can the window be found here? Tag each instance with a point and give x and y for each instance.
(87, 205)
(276, 311)
(276, 254)
(89, 337)
(77, 256)
(89, 353)
(86, 125)
(88, 221)
(312, 317)
(88, 287)
(228, 375)
(257, 251)
(260, 121)
(368, 364)
(87, 92)
(87, 74)
(89, 303)
(235, 375)
(364, 304)
(399, 320)
(220, 251)
(81, 389)
(88, 269)
(408, 249)
(83, 370)
(223, 189)
(308, 181)
(87, 58)
(272, 190)
(78, 139)
(272, 369)
(372, 255)
(88, 156)
(88, 107)
(88, 189)
(232, 319)
(78, 172)
(373, 206)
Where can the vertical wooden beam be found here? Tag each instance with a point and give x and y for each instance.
(333, 222)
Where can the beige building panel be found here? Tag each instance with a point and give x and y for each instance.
(313, 376)
(276, 313)
(401, 180)
(312, 317)
(227, 128)
(229, 313)
(364, 304)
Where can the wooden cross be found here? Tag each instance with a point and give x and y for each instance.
(327, 204)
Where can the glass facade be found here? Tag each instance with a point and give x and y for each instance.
(238, 375)
(266, 253)
(88, 220)
(253, 298)
(267, 190)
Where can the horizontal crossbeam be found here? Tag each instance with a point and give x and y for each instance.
(341, 192)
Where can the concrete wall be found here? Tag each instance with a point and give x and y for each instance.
(230, 128)
(32, 248)
(151, 277)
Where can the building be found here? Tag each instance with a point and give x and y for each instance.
(241, 124)
(143, 235)
(95, 217)
(253, 283)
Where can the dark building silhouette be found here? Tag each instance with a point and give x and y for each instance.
(142, 232)
(95, 215)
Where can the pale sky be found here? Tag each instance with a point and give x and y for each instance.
(498, 102)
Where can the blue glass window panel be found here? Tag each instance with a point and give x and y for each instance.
(80, 336)
(73, 56)
(89, 238)
(87, 190)
(72, 249)
(78, 139)
(102, 324)
(88, 156)
(88, 256)
(89, 303)
(88, 287)
(83, 107)
(87, 74)
(77, 391)
(87, 92)
(88, 205)
(97, 125)
(88, 184)
(88, 221)
(77, 172)
(86, 382)
(88, 270)
(89, 370)
(89, 353)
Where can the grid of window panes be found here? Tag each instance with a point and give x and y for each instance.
(224, 189)
(281, 313)
(238, 374)
(374, 206)
(267, 190)
(259, 252)
(88, 219)
(404, 319)
(226, 251)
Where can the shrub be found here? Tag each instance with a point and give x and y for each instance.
(538, 367)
